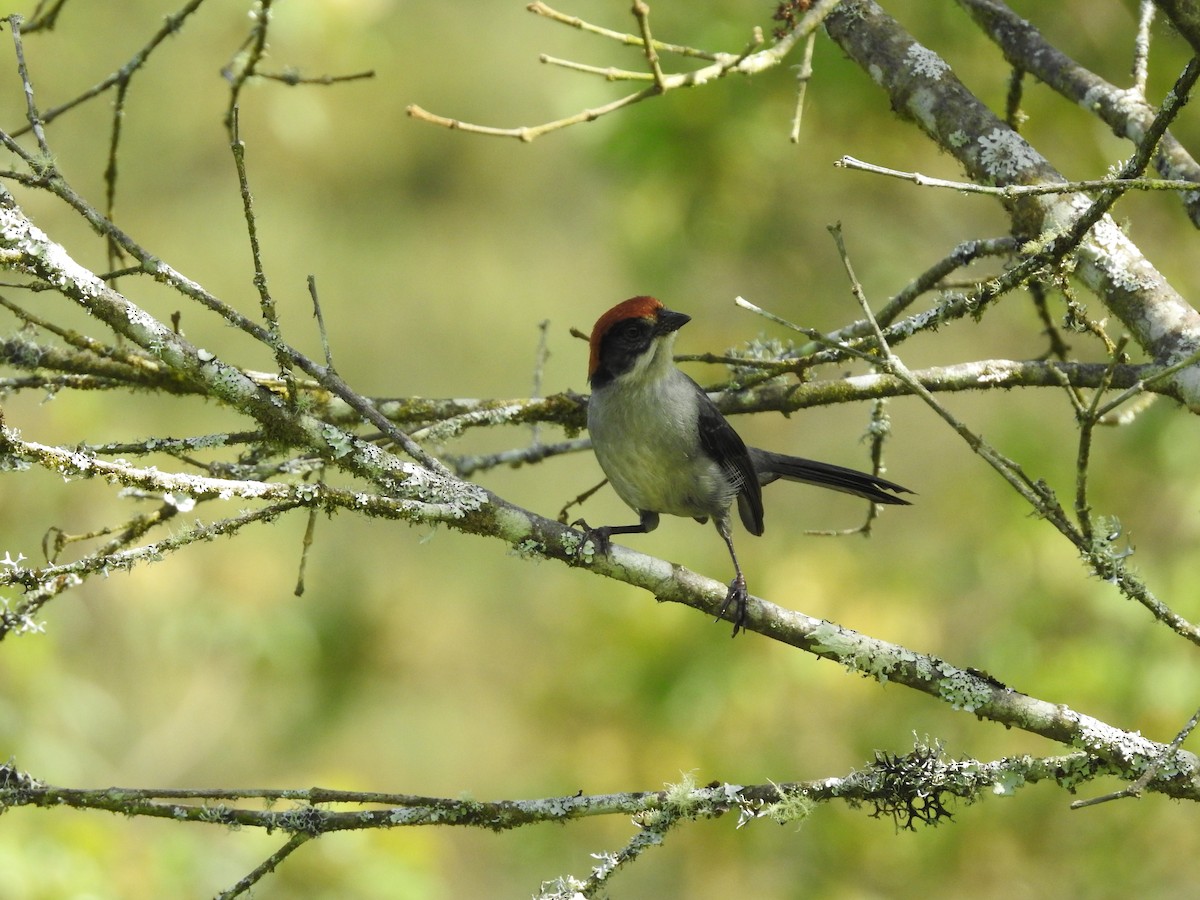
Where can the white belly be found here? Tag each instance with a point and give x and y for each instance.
(651, 457)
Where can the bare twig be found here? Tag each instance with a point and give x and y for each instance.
(1088, 419)
(45, 15)
(293, 79)
(554, 15)
(532, 132)
(749, 62)
(1013, 116)
(1012, 191)
(1139, 786)
(265, 301)
(244, 65)
(1126, 111)
(316, 301)
(1141, 46)
(1099, 554)
(267, 866)
(31, 111)
(641, 12)
(804, 73)
(171, 25)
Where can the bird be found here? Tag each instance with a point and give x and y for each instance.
(666, 449)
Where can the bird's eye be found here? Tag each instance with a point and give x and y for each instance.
(631, 331)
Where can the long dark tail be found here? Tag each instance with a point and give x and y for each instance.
(771, 466)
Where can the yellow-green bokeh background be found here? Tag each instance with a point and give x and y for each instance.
(440, 664)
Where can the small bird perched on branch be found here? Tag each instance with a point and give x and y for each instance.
(666, 448)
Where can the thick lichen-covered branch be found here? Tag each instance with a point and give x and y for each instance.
(918, 787)
(1125, 110)
(26, 249)
(923, 88)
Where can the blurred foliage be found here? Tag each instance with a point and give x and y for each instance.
(440, 664)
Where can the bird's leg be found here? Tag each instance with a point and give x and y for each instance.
(737, 595)
(601, 536)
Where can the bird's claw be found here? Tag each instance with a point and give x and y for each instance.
(737, 596)
(598, 536)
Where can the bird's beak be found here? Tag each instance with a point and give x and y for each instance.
(669, 320)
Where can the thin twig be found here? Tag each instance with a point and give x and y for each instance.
(554, 15)
(1141, 47)
(804, 73)
(539, 368)
(608, 73)
(824, 340)
(45, 15)
(1058, 347)
(1144, 383)
(266, 867)
(466, 466)
(1101, 559)
(1137, 787)
(1088, 419)
(750, 61)
(641, 12)
(292, 79)
(31, 110)
(1013, 116)
(1020, 190)
(317, 314)
(532, 132)
(306, 543)
(245, 63)
(171, 25)
(114, 255)
(265, 301)
(188, 288)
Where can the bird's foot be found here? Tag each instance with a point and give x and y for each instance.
(737, 596)
(600, 537)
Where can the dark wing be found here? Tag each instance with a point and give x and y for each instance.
(722, 443)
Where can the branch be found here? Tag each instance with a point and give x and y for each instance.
(26, 249)
(1013, 191)
(1185, 16)
(914, 788)
(171, 25)
(534, 535)
(923, 88)
(554, 15)
(1127, 112)
(750, 61)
